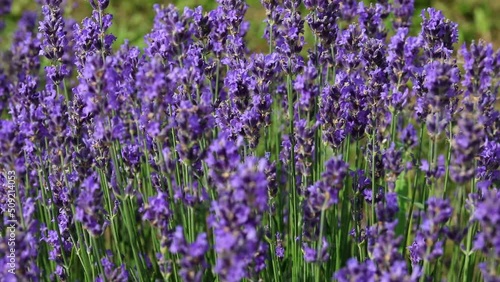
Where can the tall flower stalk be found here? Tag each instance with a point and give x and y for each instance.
(351, 149)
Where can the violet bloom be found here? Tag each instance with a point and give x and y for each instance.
(399, 71)
(433, 170)
(27, 241)
(304, 146)
(478, 80)
(306, 88)
(256, 118)
(408, 136)
(440, 82)
(170, 27)
(429, 242)
(487, 214)
(236, 217)
(478, 66)
(311, 255)
(153, 85)
(25, 48)
(439, 34)
(392, 159)
(396, 57)
(361, 184)
(91, 37)
(193, 262)
(99, 4)
(111, 272)
(322, 195)
(323, 20)
(274, 19)
(5, 6)
(403, 13)
(442, 95)
(373, 58)
(489, 272)
(157, 212)
(247, 111)
(222, 159)
(347, 47)
(290, 38)
(228, 29)
(374, 157)
(383, 244)
(388, 209)
(52, 30)
(466, 147)
(356, 271)
(333, 115)
(17, 80)
(272, 181)
(353, 110)
(489, 161)
(371, 20)
(280, 249)
(90, 209)
(192, 123)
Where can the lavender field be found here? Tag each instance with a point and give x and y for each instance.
(369, 154)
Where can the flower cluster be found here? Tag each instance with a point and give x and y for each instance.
(354, 146)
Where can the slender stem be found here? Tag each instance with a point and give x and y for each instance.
(448, 158)
(320, 242)
(373, 174)
(414, 194)
(294, 224)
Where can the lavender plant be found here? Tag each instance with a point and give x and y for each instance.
(370, 153)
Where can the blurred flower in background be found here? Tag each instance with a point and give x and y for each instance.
(133, 18)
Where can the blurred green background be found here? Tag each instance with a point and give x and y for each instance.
(133, 18)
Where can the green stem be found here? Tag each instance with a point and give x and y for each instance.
(373, 175)
(293, 189)
(448, 158)
(414, 193)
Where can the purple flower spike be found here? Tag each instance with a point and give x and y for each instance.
(439, 34)
(90, 210)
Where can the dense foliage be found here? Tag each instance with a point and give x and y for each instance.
(372, 156)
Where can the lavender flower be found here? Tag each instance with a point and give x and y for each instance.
(223, 158)
(193, 261)
(487, 214)
(311, 255)
(89, 210)
(466, 146)
(428, 244)
(157, 212)
(304, 146)
(322, 195)
(4, 10)
(478, 65)
(383, 245)
(403, 12)
(355, 271)
(489, 161)
(370, 19)
(52, 27)
(441, 98)
(235, 219)
(306, 88)
(392, 159)
(192, 123)
(176, 156)
(323, 20)
(439, 34)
